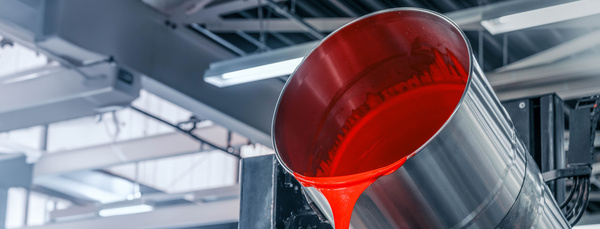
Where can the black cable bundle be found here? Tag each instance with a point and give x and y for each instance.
(573, 209)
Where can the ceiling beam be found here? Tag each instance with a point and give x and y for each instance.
(467, 19)
(323, 25)
(219, 40)
(189, 12)
(155, 199)
(563, 50)
(78, 189)
(344, 8)
(181, 216)
(570, 79)
(589, 22)
(294, 18)
(130, 151)
(473, 16)
(97, 157)
(571, 89)
(567, 69)
(50, 192)
(276, 25)
(195, 11)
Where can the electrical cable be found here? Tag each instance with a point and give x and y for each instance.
(570, 204)
(570, 196)
(585, 201)
(574, 210)
(569, 216)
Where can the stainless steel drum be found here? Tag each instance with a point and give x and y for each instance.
(472, 172)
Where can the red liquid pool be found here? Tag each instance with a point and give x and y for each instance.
(384, 132)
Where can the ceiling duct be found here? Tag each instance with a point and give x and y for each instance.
(56, 93)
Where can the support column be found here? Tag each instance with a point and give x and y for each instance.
(14, 172)
(3, 206)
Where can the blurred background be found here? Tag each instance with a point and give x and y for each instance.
(140, 111)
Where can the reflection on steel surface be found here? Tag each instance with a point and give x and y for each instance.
(472, 173)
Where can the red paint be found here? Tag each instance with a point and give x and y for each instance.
(366, 99)
(383, 133)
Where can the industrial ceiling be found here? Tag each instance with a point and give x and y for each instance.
(544, 59)
(172, 42)
(258, 26)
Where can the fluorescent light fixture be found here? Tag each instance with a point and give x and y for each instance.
(125, 210)
(542, 16)
(266, 71)
(255, 67)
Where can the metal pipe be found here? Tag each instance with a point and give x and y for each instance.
(252, 40)
(280, 37)
(375, 5)
(218, 39)
(283, 39)
(343, 8)
(309, 28)
(469, 171)
(186, 132)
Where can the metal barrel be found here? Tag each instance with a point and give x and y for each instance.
(472, 172)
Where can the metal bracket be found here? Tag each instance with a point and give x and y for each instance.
(568, 172)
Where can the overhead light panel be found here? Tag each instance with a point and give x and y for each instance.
(125, 210)
(542, 16)
(280, 62)
(265, 71)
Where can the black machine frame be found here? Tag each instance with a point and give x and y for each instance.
(541, 123)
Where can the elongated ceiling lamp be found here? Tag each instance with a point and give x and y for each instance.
(255, 67)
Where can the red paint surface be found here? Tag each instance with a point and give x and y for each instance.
(382, 133)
